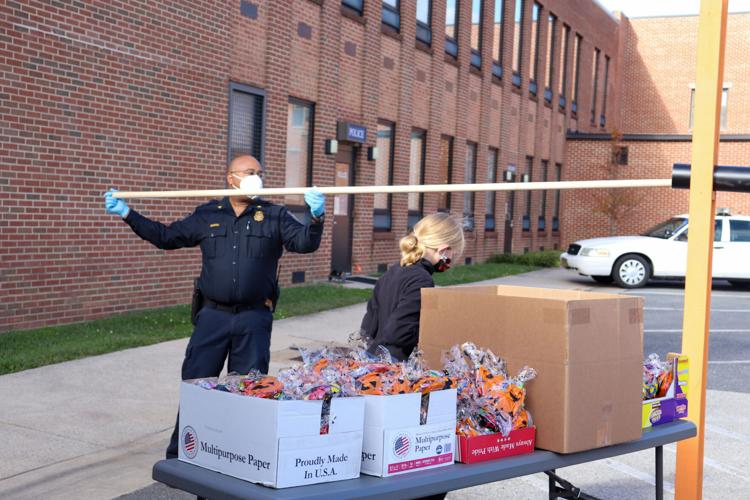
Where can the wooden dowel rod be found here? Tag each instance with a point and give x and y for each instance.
(409, 188)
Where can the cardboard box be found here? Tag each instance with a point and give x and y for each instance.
(471, 450)
(395, 442)
(674, 404)
(274, 443)
(587, 349)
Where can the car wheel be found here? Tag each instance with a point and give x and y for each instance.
(631, 271)
(604, 280)
(740, 283)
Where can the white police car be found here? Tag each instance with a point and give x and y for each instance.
(661, 252)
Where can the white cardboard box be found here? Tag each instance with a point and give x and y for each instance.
(394, 440)
(275, 443)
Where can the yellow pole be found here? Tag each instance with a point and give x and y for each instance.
(695, 327)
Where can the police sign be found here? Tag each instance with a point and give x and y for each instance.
(351, 132)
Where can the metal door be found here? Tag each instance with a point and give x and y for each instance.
(343, 207)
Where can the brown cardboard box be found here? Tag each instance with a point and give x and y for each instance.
(587, 349)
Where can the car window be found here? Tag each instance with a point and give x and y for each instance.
(666, 229)
(717, 232)
(739, 230)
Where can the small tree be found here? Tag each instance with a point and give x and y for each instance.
(615, 203)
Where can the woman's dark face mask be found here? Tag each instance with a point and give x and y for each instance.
(443, 264)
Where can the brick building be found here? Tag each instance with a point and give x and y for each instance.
(160, 95)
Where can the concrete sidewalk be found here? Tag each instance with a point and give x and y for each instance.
(93, 428)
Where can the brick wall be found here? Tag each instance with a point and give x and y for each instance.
(134, 94)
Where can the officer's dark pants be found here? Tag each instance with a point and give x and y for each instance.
(244, 336)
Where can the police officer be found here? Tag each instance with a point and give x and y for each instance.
(241, 241)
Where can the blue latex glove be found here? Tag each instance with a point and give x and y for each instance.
(115, 206)
(316, 200)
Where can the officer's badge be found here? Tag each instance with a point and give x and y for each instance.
(258, 216)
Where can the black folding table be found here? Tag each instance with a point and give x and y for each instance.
(215, 486)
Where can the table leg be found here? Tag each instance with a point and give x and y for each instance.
(552, 488)
(659, 473)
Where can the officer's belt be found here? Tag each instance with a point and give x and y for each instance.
(236, 308)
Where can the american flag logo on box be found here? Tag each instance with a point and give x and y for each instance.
(189, 441)
(401, 445)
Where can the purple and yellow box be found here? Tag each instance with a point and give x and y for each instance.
(675, 404)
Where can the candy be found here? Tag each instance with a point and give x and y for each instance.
(489, 400)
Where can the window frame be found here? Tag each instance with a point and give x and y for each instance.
(603, 116)
(490, 204)
(257, 92)
(469, 217)
(526, 220)
(451, 150)
(595, 84)
(549, 73)
(357, 6)
(519, 16)
(299, 209)
(476, 53)
(563, 83)
(542, 216)
(497, 64)
(424, 30)
(534, 56)
(451, 43)
(412, 215)
(388, 212)
(391, 16)
(556, 211)
(576, 72)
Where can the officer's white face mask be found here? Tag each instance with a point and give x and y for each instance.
(250, 182)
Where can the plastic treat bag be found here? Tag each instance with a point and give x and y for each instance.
(206, 383)
(489, 400)
(656, 374)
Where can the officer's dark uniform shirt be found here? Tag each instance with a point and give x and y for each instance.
(240, 254)
(392, 318)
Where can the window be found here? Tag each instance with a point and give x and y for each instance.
(446, 172)
(497, 34)
(550, 45)
(563, 80)
(542, 221)
(528, 176)
(391, 14)
(603, 117)
(470, 168)
(518, 42)
(489, 217)
(424, 21)
(576, 71)
(356, 5)
(451, 27)
(595, 83)
(476, 33)
(381, 218)
(723, 119)
(556, 212)
(739, 230)
(416, 176)
(667, 229)
(534, 59)
(246, 122)
(298, 148)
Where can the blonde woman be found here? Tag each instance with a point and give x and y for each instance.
(392, 318)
